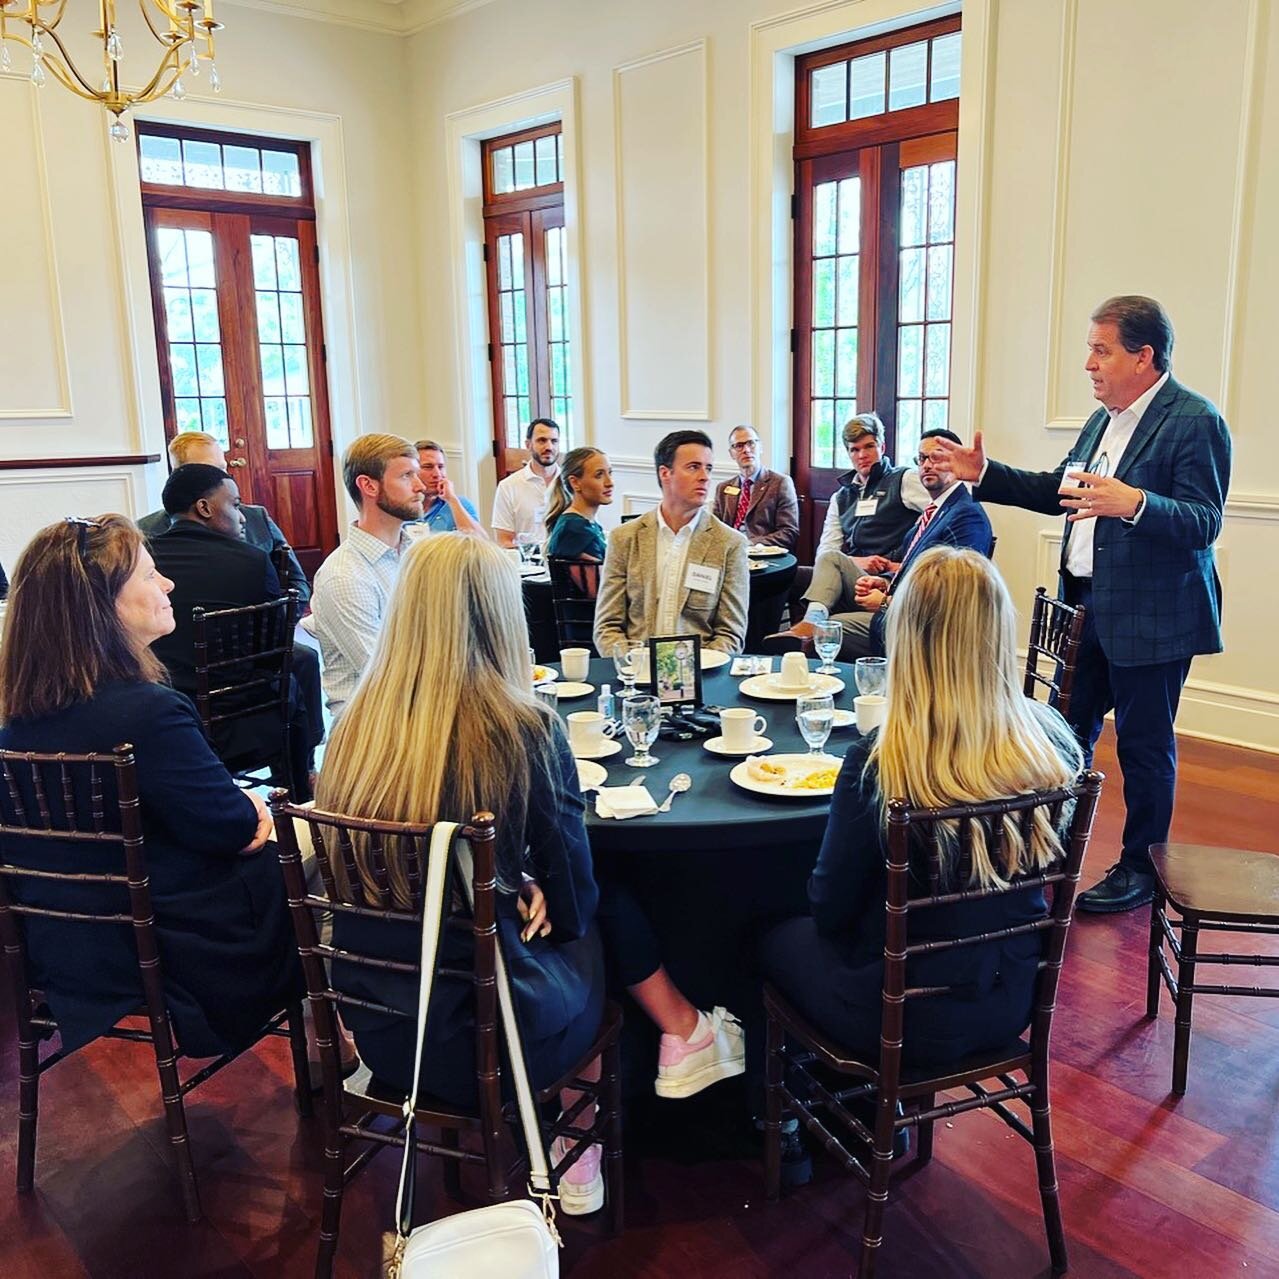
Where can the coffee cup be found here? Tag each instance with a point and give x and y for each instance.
(739, 727)
(588, 730)
(871, 708)
(639, 664)
(576, 662)
(794, 673)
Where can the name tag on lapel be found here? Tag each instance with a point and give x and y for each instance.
(702, 577)
(730, 491)
(867, 506)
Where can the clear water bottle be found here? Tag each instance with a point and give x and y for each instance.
(605, 705)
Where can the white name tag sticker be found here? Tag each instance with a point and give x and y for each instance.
(729, 491)
(701, 577)
(867, 506)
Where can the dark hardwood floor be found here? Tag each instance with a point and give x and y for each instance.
(1152, 1185)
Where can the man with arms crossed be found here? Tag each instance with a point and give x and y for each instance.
(1154, 466)
(757, 502)
(519, 505)
(353, 586)
(260, 529)
(676, 570)
(445, 511)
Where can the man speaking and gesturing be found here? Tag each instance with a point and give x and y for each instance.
(1144, 487)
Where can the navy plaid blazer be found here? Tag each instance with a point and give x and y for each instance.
(1156, 594)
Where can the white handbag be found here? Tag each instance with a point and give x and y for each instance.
(516, 1239)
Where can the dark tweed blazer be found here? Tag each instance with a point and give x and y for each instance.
(773, 514)
(1156, 593)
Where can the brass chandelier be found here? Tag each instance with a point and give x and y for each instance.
(182, 28)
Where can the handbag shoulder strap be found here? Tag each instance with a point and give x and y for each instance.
(443, 843)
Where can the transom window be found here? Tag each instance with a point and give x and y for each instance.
(905, 75)
(212, 165)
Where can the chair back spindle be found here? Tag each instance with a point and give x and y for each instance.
(1056, 629)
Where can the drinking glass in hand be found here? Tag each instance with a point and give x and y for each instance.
(624, 664)
(827, 638)
(871, 674)
(815, 715)
(641, 718)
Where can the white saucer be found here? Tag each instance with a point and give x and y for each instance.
(770, 689)
(589, 775)
(767, 550)
(603, 752)
(844, 719)
(713, 659)
(716, 747)
(571, 688)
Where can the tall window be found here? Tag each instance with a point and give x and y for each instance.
(874, 245)
(235, 291)
(524, 251)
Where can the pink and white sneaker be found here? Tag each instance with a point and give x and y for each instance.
(715, 1050)
(581, 1188)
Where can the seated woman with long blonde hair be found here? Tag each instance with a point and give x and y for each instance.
(444, 724)
(959, 730)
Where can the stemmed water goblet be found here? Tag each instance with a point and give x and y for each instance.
(624, 664)
(641, 718)
(815, 716)
(827, 638)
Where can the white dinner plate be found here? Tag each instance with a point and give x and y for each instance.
(801, 764)
(544, 674)
(589, 775)
(841, 719)
(601, 752)
(767, 550)
(758, 568)
(770, 689)
(573, 688)
(714, 658)
(716, 747)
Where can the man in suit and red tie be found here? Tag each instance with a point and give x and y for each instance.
(840, 590)
(1145, 496)
(757, 502)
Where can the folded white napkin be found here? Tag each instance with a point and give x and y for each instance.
(622, 802)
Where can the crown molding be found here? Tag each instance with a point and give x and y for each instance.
(387, 17)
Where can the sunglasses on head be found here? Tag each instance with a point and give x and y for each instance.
(82, 527)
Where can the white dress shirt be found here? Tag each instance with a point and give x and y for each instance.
(519, 505)
(1113, 443)
(672, 556)
(352, 589)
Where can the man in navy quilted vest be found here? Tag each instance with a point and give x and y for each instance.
(1144, 488)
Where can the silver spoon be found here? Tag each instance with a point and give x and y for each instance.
(679, 784)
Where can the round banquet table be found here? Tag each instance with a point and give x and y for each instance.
(720, 868)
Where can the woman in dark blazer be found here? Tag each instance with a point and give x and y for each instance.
(77, 675)
(958, 731)
(443, 725)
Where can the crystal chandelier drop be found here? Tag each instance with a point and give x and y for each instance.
(182, 28)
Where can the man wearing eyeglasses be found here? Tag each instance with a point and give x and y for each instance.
(1144, 488)
(842, 591)
(757, 502)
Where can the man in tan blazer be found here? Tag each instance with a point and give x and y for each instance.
(676, 570)
(758, 502)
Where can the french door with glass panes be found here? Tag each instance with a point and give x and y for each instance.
(874, 249)
(236, 303)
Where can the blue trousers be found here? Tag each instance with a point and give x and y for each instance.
(1144, 699)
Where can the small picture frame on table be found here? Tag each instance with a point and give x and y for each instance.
(675, 670)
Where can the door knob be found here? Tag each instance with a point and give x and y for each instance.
(239, 461)
(239, 443)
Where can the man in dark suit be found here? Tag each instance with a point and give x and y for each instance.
(260, 529)
(757, 502)
(1145, 492)
(840, 590)
(212, 566)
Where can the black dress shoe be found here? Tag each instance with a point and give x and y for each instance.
(788, 642)
(1122, 889)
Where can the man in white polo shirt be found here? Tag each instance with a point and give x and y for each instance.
(519, 505)
(353, 586)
